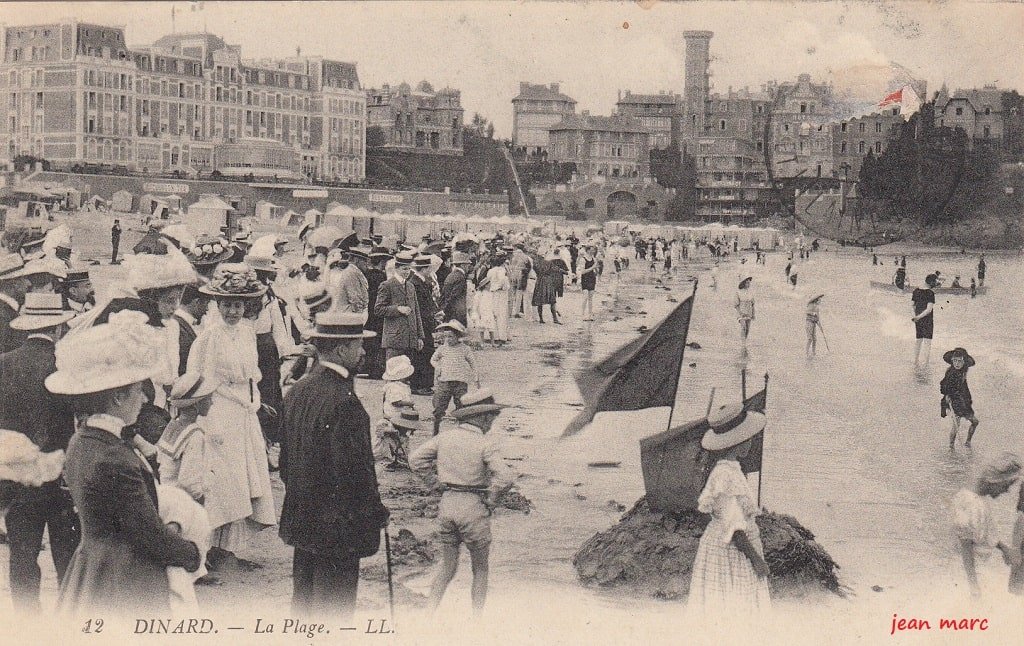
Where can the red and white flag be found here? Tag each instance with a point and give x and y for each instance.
(905, 97)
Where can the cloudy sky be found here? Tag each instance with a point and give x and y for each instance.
(594, 49)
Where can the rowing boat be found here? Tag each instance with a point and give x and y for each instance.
(952, 291)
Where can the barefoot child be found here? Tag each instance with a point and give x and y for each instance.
(474, 477)
(454, 368)
(813, 314)
(956, 393)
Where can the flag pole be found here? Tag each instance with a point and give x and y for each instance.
(761, 472)
(682, 354)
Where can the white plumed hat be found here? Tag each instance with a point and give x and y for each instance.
(123, 351)
(147, 271)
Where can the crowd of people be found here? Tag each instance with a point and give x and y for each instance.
(216, 363)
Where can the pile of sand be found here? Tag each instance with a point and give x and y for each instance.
(652, 554)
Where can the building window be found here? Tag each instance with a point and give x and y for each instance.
(803, 108)
(878, 146)
(860, 147)
(878, 126)
(862, 127)
(988, 110)
(988, 132)
(721, 124)
(842, 148)
(959, 112)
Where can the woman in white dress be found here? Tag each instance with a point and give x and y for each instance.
(492, 299)
(730, 575)
(972, 515)
(239, 500)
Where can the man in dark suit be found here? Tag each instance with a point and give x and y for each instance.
(453, 291)
(375, 277)
(13, 287)
(332, 513)
(397, 304)
(422, 380)
(189, 316)
(115, 241)
(27, 407)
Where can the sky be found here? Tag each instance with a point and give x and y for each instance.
(595, 49)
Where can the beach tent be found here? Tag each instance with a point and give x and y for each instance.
(313, 216)
(161, 210)
(339, 215)
(121, 201)
(268, 211)
(291, 218)
(207, 215)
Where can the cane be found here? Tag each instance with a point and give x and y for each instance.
(391, 588)
(823, 338)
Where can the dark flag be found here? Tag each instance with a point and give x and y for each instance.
(641, 374)
(676, 468)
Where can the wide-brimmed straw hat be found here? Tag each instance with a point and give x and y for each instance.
(315, 295)
(476, 403)
(380, 253)
(404, 259)
(746, 281)
(234, 280)
(408, 419)
(1005, 467)
(341, 325)
(731, 425)
(454, 326)
(41, 311)
(422, 261)
(77, 275)
(189, 388)
(958, 352)
(47, 265)
(10, 266)
(209, 250)
(124, 350)
(398, 368)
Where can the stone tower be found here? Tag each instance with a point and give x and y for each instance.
(696, 84)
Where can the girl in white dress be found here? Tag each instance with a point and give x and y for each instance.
(730, 575)
(239, 499)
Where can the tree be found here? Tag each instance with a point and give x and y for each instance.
(375, 137)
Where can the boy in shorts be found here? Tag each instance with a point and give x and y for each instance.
(473, 477)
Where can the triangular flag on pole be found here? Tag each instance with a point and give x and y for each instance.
(644, 373)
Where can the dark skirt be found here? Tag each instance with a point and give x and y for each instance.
(545, 292)
(269, 362)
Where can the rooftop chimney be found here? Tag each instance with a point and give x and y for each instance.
(554, 87)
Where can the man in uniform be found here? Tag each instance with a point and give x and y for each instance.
(332, 513)
(28, 407)
(79, 290)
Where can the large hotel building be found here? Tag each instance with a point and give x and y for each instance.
(75, 94)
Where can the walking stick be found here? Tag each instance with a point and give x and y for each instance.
(823, 338)
(391, 588)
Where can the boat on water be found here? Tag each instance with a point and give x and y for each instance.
(907, 289)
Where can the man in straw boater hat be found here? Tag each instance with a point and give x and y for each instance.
(28, 408)
(327, 467)
(398, 306)
(474, 477)
(729, 572)
(422, 280)
(121, 563)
